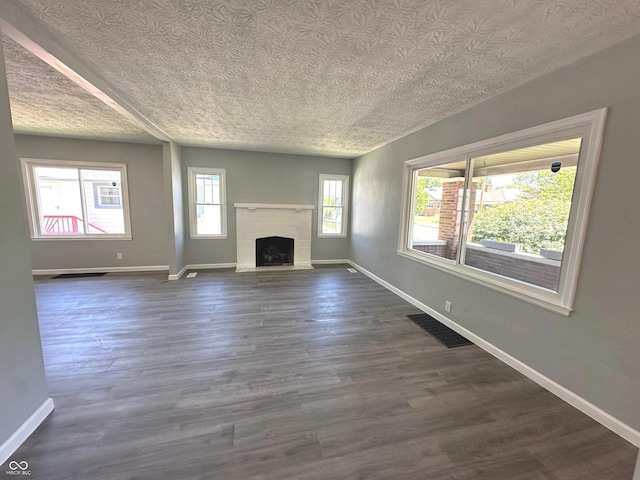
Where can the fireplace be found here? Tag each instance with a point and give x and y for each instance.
(274, 223)
(274, 251)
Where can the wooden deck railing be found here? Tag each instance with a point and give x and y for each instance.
(63, 224)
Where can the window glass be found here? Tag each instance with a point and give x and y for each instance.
(437, 209)
(70, 201)
(518, 217)
(332, 205)
(207, 209)
(510, 212)
(101, 190)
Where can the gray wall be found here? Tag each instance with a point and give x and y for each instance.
(255, 177)
(174, 206)
(595, 351)
(22, 378)
(148, 213)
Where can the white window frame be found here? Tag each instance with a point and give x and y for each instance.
(193, 217)
(345, 207)
(33, 198)
(589, 126)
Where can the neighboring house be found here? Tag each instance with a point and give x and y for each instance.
(435, 202)
(62, 211)
(486, 198)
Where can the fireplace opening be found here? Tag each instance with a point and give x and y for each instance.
(274, 251)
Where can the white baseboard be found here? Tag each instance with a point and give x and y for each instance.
(176, 276)
(331, 262)
(599, 415)
(18, 437)
(201, 266)
(210, 266)
(140, 268)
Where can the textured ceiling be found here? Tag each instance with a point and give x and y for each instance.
(329, 77)
(46, 102)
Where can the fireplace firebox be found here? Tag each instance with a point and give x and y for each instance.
(274, 251)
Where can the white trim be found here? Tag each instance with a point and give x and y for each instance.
(345, 207)
(281, 206)
(176, 276)
(29, 426)
(74, 238)
(599, 415)
(139, 268)
(32, 194)
(200, 266)
(191, 199)
(590, 127)
(335, 261)
(535, 295)
(210, 266)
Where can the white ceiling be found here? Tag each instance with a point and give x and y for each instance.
(328, 77)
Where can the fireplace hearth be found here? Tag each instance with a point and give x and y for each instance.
(274, 251)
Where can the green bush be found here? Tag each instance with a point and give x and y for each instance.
(537, 219)
(534, 223)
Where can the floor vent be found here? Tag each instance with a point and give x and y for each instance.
(449, 338)
(192, 274)
(352, 270)
(80, 275)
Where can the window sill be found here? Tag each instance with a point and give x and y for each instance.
(81, 238)
(534, 295)
(207, 237)
(332, 235)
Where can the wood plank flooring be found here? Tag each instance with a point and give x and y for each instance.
(286, 375)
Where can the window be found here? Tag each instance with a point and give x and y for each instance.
(207, 203)
(76, 200)
(108, 196)
(512, 211)
(333, 199)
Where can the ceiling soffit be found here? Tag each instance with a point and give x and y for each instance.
(45, 102)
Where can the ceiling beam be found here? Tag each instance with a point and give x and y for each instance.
(21, 28)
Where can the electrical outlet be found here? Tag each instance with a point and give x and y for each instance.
(447, 306)
(119, 256)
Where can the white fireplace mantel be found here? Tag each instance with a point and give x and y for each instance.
(259, 220)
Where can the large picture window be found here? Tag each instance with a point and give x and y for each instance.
(207, 203)
(332, 211)
(509, 212)
(76, 200)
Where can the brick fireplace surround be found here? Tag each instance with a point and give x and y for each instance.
(259, 220)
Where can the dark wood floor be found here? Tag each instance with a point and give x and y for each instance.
(287, 375)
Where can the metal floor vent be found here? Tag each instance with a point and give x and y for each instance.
(192, 274)
(352, 270)
(448, 337)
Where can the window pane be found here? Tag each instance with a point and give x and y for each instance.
(519, 212)
(103, 197)
(108, 196)
(208, 189)
(208, 220)
(331, 220)
(332, 193)
(59, 201)
(437, 200)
